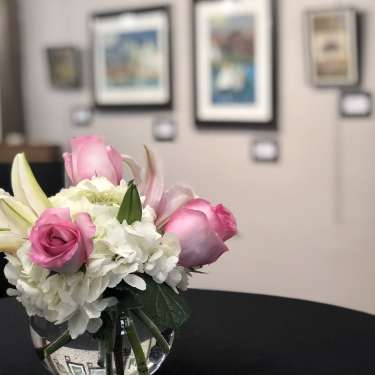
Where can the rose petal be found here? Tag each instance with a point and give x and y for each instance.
(92, 160)
(88, 230)
(200, 244)
(228, 227)
(60, 245)
(205, 207)
(91, 157)
(50, 215)
(172, 199)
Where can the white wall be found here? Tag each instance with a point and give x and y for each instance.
(307, 223)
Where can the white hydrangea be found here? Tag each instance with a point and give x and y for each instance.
(120, 251)
(76, 299)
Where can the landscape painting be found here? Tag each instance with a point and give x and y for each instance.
(232, 59)
(234, 63)
(133, 59)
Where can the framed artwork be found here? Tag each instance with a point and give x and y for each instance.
(132, 59)
(76, 369)
(64, 65)
(235, 63)
(332, 39)
(96, 371)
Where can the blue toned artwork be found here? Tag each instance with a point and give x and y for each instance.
(133, 59)
(233, 71)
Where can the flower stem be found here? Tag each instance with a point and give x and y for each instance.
(102, 353)
(108, 363)
(136, 345)
(57, 344)
(162, 342)
(118, 349)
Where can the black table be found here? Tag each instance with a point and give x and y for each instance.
(234, 333)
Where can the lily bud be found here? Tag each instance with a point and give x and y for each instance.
(25, 187)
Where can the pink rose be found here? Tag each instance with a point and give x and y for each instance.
(59, 244)
(91, 157)
(202, 230)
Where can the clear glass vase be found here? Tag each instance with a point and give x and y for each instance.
(82, 356)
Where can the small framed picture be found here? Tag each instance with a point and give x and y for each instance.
(77, 369)
(234, 63)
(132, 59)
(64, 65)
(97, 371)
(332, 37)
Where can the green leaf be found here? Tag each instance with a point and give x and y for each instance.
(126, 295)
(166, 308)
(131, 206)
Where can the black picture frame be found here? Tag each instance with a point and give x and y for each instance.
(64, 67)
(134, 106)
(272, 124)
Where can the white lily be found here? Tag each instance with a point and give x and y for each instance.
(18, 213)
(18, 217)
(25, 187)
(10, 242)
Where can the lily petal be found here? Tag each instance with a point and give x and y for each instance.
(135, 168)
(10, 242)
(16, 183)
(153, 185)
(25, 187)
(18, 216)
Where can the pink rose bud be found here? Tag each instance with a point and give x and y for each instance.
(91, 157)
(202, 230)
(59, 244)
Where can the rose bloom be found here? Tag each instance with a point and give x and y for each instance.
(59, 244)
(202, 230)
(91, 157)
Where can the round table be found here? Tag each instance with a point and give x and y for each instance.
(235, 333)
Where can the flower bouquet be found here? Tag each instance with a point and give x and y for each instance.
(105, 258)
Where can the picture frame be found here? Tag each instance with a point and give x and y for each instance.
(333, 47)
(65, 67)
(132, 59)
(76, 368)
(231, 39)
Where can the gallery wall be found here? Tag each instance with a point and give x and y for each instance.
(307, 222)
